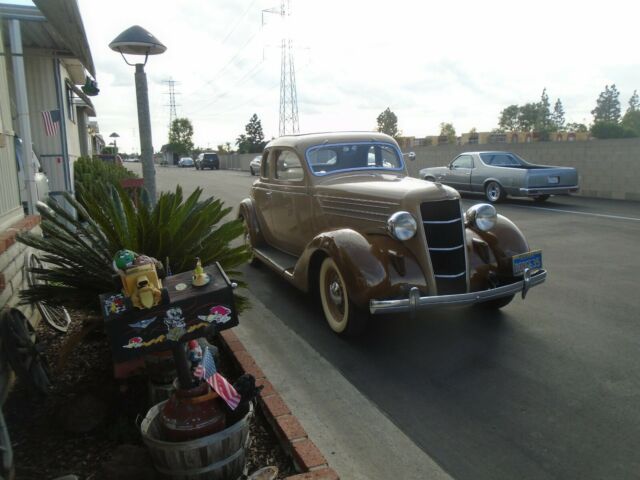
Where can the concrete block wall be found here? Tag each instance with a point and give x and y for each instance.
(237, 161)
(607, 168)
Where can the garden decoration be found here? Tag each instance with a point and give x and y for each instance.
(140, 280)
(200, 278)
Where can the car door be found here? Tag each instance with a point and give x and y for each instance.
(262, 193)
(290, 202)
(459, 174)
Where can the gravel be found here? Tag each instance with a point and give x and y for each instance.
(88, 418)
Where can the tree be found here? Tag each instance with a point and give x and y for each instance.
(576, 127)
(388, 123)
(253, 141)
(181, 136)
(634, 102)
(528, 117)
(543, 121)
(607, 106)
(447, 130)
(611, 130)
(509, 118)
(557, 117)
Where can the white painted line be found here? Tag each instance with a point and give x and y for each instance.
(615, 217)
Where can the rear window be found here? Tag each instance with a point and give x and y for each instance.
(210, 156)
(500, 159)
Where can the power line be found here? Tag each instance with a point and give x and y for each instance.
(235, 25)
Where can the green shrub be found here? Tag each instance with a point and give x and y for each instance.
(91, 172)
(603, 130)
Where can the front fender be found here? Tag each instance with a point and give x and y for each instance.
(373, 266)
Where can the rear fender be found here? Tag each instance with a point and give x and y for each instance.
(247, 211)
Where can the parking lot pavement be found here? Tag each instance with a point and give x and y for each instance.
(547, 388)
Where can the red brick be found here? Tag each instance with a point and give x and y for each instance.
(244, 358)
(235, 346)
(306, 455)
(275, 406)
(321, 474)
(268, 388)
(253, 369)
(290, 428)
(229, 336)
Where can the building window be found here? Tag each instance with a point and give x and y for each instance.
(71, 109)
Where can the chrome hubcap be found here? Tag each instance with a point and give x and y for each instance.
(335, 293)
(494, 191)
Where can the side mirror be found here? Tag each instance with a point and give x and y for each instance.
(451, 166)
(412, 156)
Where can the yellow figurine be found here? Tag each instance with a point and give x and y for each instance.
(200, 278)
(146, 295)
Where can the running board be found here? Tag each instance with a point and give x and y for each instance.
(277, 260)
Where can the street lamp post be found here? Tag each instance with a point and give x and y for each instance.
(137, 41)
(115, 136)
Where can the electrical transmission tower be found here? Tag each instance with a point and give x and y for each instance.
(288, 95)
(172, 100)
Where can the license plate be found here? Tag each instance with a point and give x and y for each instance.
(553, 179)
(530, 260)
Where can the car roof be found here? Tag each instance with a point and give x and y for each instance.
(303, 141)
(485, 151)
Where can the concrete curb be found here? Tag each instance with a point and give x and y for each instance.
(307, 458)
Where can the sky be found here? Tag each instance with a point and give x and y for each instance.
(429, 62)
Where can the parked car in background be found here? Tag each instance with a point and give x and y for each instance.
(254, 165)
(208, 160)
(499, 174)
(111, 158)
(185, 162)
(338, 214)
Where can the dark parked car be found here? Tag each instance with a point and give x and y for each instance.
(498, 174)
(208, 160)
(337, 213)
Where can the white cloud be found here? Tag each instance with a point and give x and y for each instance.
(459, 62)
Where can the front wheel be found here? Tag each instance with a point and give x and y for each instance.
(251, 171)
(493, 192)
(341, 314)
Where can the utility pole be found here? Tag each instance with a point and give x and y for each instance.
(171, 84)
(289, 123)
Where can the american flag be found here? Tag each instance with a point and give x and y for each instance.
(51, 120)
(218, 382)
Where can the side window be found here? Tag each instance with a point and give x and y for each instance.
(288, 166)
(71, 109)
(264, 164)
(463, 161)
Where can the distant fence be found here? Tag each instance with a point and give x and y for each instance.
(607, 168)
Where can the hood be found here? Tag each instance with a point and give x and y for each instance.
(385, 187)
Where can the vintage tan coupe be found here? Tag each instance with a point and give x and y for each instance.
(337, 214)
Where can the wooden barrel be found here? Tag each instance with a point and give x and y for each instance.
(219, 456)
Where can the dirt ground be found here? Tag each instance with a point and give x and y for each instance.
(88, 422)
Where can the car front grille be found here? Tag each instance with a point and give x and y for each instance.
(444, 229)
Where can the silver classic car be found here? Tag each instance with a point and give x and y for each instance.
(498, 174)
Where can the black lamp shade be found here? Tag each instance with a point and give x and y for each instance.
(137, 41)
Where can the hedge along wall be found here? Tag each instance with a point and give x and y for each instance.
(607, 168)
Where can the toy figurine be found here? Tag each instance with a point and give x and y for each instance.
(200, 278)
(146, 295)
(140, 280)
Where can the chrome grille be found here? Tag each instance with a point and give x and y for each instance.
(444, 230)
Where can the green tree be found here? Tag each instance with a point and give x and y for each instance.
(447, 130)
(634, 102)
(528, 117)
(557, 117)
(611, 130)
(509, 118)
(181, 136)
(543, 121)
(607, 106)
(252, 141)
(576, 127)
(388, 123)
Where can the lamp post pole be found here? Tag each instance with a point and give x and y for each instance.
(144, 126)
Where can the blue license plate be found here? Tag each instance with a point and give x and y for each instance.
(530, 260)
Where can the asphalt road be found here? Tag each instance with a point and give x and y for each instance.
(547, 388)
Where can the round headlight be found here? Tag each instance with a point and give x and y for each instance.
(402, 225)
(483, 216)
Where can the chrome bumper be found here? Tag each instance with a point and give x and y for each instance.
(549, 190)
(416, 302)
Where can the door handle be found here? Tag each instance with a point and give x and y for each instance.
(268, 194)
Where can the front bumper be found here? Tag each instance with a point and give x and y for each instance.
(416, 302)
(534, 191)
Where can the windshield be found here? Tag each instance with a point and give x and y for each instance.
(326, 159)
(501, 159)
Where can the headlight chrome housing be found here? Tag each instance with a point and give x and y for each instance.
(483, 216)
(402, 225)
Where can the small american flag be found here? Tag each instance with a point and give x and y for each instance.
(51, 120)
(218, 382)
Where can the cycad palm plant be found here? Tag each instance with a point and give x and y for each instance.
(78, 253)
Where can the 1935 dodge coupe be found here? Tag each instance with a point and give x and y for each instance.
(337, 214)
